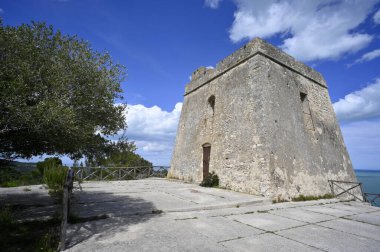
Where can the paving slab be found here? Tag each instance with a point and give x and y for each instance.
(266, 221)
(151, 234)
(353, 208)
(221, 228)
(371, 218)
(29, 202)
(130, 197)
(303, 215)
(26, 195)
(363, 205)
(328, 210)
(328, 239)
(194, 218)
(266, 242)
(354, 227)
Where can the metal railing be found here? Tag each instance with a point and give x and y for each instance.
(101, 173)
(338, 188)
(119, 173)
(372, 198)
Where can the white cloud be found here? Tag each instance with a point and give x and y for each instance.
(368, 56)
(313, 29)
(213, 4)
(153, 131)
(376, 17)
(363, 143)
(359, 105)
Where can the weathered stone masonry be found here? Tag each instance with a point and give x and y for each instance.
(270, 124)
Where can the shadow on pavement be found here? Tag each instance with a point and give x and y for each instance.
(121, 211)
(29, 205)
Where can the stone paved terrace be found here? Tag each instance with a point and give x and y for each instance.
(206, 219)
(162, 215)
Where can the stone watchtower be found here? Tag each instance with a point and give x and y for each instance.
(264, 123)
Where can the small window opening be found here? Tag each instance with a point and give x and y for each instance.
(211, 102)
(308, 120)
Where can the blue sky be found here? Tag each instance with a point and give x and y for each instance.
(162, 42)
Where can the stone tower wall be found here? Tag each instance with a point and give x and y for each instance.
(259, 141)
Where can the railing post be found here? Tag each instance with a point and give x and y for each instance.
(332, 188)
(134, 172)
(101, 173)
(119, 174)
(67, 187)
(361, 190)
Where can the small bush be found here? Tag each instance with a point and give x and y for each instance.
(211, 180)
(279, 199)
(12, 183)
(55, 177)
(48, 162)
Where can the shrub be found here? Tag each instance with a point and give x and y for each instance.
(211, 180)
(12, 183)
(48, 162)
(55, 177)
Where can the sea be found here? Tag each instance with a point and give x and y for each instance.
(371, 183)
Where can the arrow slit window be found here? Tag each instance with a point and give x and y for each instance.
(307, 118)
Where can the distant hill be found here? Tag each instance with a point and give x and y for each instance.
(19, 166)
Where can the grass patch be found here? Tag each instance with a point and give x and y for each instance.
(302, 197)
(279, 200)
(190, 218)
(27, 236)
(263, 211)
(158, 211)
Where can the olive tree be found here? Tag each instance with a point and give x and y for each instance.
(57, 94)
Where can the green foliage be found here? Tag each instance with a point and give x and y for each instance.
(48, 162)
(8, 173)
(302, 197)
(10, 176)
(118, 154)
(211, 180)
(55, 177)
(57, 94)
(279, 199)
(12, 183)
(27, 236)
